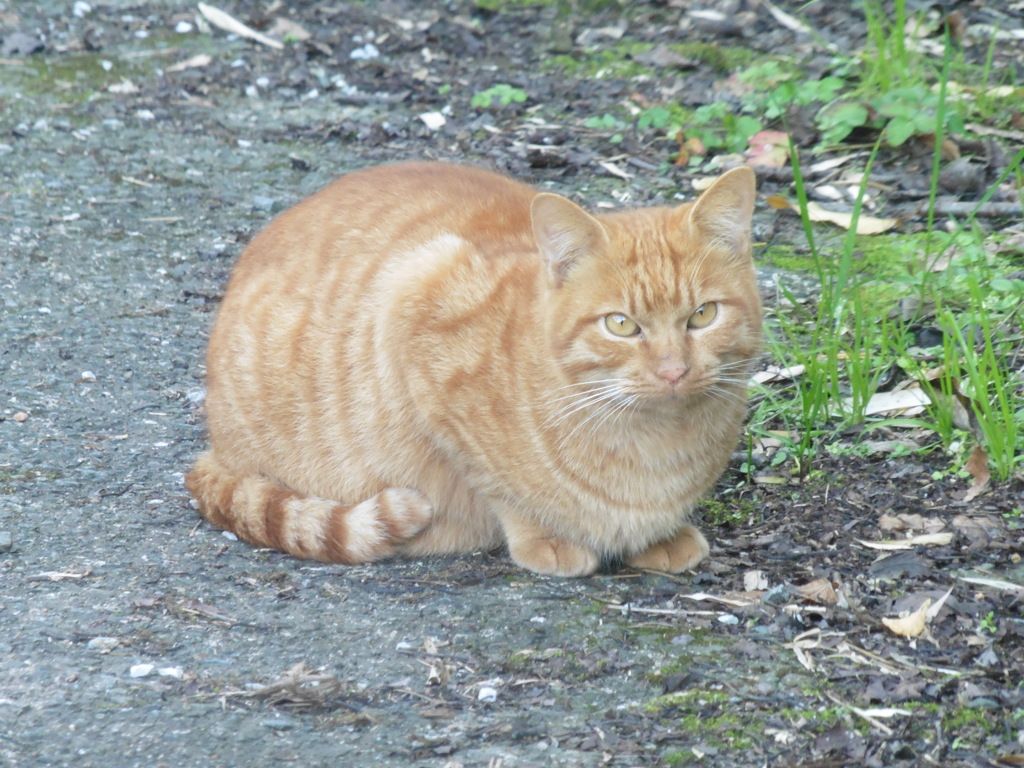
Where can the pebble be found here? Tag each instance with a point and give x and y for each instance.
(141, 670)
(104, 644)
(728, 618)
(6, 541)
(263, 203)
(682, 640)
(433, 120)
(368, 51)
(487, 693)
(280, 723)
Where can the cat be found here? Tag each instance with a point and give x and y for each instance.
(427, 358)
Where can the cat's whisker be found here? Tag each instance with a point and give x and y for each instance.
(725, 395)
(574, 395)
(588, 400)
(597, 412)
(588, 383)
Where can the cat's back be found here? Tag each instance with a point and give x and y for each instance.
(383, 212)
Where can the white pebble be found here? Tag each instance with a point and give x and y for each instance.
(487, 693)
(433, 120)
(183, 27)
(104, 644)
(141, 670)
(368, 51)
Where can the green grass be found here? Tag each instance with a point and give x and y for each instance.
(850, 341)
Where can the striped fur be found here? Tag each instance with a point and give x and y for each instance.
(415, 360)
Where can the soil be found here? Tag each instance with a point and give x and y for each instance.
(133, 634)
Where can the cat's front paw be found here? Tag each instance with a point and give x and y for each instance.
(687, 548)
(553, 556)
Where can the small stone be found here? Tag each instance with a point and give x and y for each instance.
(728, 618)
(6, 541)
(682, 640)
(87, 376)
(183, 27)
(433, 120)
(176, 672)
(141, 670)
(20, 416)
(263, 203)
(487, 693)
(368, 51)
(103, 644)
(280, 724)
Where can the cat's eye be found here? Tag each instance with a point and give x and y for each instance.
(703, 316)
(620, 325)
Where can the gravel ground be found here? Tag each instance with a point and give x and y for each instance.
(132, 634)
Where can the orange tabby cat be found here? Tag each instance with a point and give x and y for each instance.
(427, 358)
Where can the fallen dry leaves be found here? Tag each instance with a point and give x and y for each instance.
(866, 225)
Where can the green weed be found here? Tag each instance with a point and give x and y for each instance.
(502, 93)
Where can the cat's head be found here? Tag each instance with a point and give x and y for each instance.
(653, 306)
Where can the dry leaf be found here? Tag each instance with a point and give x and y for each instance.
(769, 148)
(818, 591)
(912, 625)
(286, 28)
(904, 402)
(195, 62)
(229, 23)
(926, 539)
(733, 599)
(977, 465)
(615, 170)
(981, 529)
(910, 522)
(866, 225)
(995, 584)
(775, 373)
(934, 610)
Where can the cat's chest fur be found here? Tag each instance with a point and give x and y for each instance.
(533, 373)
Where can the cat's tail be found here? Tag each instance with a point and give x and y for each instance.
(266, 514)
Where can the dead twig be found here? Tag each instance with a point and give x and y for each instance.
(298, 687)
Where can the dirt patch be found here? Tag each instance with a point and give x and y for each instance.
(133, 634)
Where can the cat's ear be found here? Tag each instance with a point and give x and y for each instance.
(564, 233)
(723, 212)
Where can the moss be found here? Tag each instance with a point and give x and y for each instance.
(706, 715)
(690, 700)
(619, 60)
(677, 757)
(10, 478)
(734, 512)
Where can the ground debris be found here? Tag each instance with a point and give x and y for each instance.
(299, 687)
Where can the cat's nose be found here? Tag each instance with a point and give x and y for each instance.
(672, 373)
